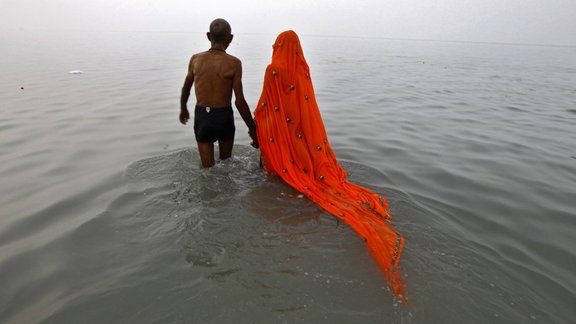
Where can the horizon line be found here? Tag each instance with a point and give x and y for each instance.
(330, 36)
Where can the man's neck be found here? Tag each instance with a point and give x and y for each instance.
(218, 47)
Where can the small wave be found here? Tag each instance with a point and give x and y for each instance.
(515, 109)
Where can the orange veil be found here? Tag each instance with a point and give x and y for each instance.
(294, 146)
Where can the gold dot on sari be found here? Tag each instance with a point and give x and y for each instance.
(306, 97)
(274, 73)
(264, 104)
(288, 119)
(321, 177)
(318, 148)
(276, 108)
(271, 140)
(292, 87)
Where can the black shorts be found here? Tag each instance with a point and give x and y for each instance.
(214, 124)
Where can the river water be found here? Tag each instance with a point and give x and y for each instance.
(106, 217)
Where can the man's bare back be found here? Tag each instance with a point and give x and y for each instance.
(216, 75)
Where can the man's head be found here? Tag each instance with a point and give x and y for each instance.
(220, 32)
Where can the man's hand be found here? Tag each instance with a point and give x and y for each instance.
(184, 116)
(254, 138)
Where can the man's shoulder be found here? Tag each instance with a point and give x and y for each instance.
(195, 57)
(199, 54)
(234, 59)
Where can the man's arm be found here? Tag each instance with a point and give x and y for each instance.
(242, 105)
(184, 114)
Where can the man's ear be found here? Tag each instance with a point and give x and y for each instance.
(209, 36)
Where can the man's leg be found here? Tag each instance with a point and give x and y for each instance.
(206, 153)
(225, 148)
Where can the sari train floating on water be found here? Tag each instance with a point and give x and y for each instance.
(294, 146)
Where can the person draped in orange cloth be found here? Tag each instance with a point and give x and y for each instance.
(294, 145)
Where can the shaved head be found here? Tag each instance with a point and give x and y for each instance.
(220, 29)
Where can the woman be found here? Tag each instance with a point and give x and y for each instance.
(294, 146)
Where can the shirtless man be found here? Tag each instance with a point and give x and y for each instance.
(215, 74)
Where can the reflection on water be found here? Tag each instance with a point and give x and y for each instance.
(107, 218)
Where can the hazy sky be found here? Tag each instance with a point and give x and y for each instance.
(512, 21)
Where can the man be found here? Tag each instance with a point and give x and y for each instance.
(215, 75)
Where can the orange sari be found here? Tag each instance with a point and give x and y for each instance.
(294, 146)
